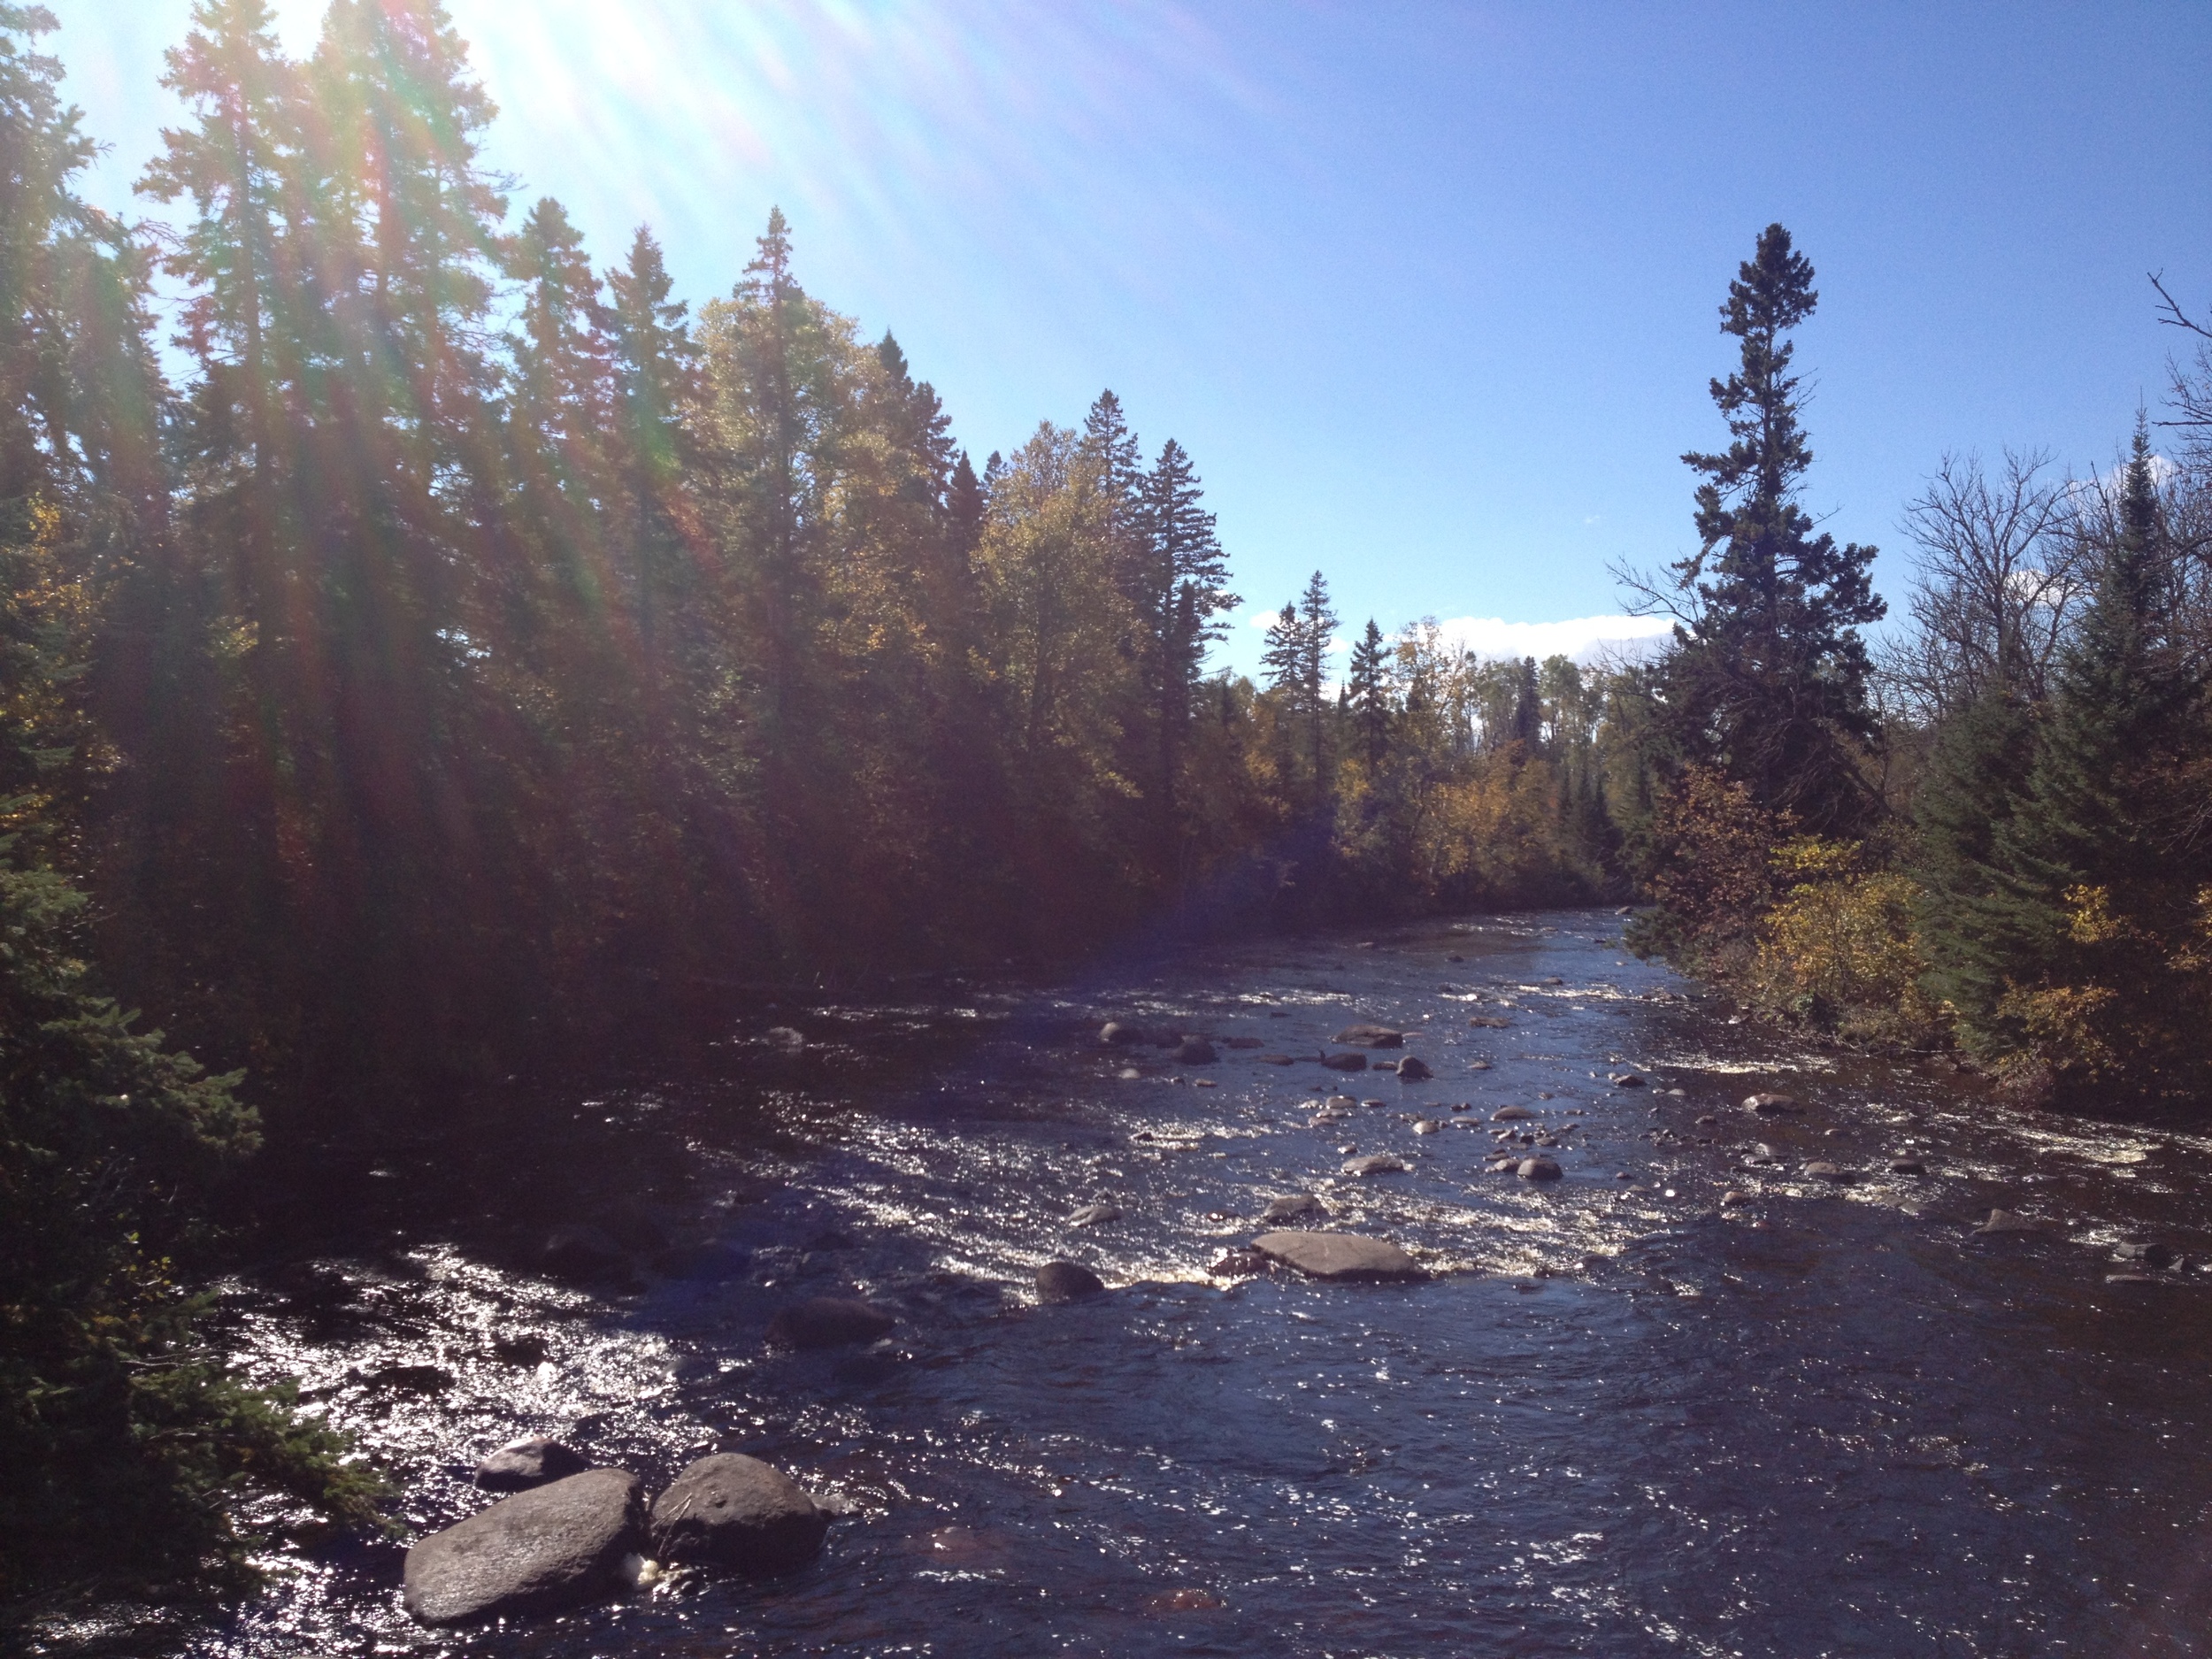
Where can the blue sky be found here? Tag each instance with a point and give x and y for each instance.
(1428, 291)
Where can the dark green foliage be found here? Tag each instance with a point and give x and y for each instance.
(1767, 677)
(128, 1448)
(1976, 777)
(1367, 690)
(2088, 951)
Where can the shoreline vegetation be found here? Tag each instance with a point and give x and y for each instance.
(442, 653)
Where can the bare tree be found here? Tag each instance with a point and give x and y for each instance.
(1999, 573)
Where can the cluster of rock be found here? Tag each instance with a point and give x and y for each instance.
(572, 1533)
(586, 1536)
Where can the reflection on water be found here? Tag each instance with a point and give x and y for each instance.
(1622, 1418)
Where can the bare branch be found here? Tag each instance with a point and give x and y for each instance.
(2174, 316)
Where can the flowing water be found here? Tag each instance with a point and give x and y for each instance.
(1620, 1417)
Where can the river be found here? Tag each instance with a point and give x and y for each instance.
(1619, 1418)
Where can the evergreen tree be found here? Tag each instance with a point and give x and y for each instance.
(1178, 588)
(1768, 680)
(1367, 690)
(2094, 929)
(1296, 661)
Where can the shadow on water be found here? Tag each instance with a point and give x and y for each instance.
(1694, 1397)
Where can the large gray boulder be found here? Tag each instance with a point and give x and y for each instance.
(537, 1552)
(828, 1321)
(730, 1511)
(1338, 1255)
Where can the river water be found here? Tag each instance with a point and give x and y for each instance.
(1619, 1418)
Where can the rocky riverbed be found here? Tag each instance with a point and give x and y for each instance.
(1607, 1326)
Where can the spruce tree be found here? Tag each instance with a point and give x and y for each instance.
(2094, 926)
(1768, 678)
(1367, 686)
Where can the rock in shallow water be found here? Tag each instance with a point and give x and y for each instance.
(1195, 1051)
(1769, 1105)
(1338, 1255)
(828, 1321)
(2012, 1221)
(1375, 1164)
(1295, 1207)
(1537, 1169)
(735, 1511)
(537, 1552)
(1094, 1216)
(1370, 1037)
(1067, 1281)
(577, 1252)
(1345, 1061)
(1412, 1069)
(522, 1464)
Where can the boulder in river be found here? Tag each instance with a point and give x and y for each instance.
(522, 1464)
(1351, 1061)
(2013, 1221)
(1277, 1059)
(1195, 1051)
(1375, 1164)
(1769, 1105)
(2149, 1254)
(1119, 1033)
(1627, 1079)
(828, 1321)
(576, 1252)
(1094, 1215)
(1370, 1037)
(1427, 1127)
(1413, 1069)
(540, 1551)
(1821, 1170)
(1510, 1114)
(1338, 1256)
(1490, 1021)
(1295, 1207)
(1907, 1166)
(731, 1510)
(1067, 1281)
(1537, 1169)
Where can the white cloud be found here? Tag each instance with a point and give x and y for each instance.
(1581, 638)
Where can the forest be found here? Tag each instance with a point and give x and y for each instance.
(428, 653)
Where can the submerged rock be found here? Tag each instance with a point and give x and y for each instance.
(1117, 1033)
(1295, 1207)
(537, 1552)
(522, 1464)
(828, 1321)
(1277, 1059)
(2149, 1254)
(1375, 1164)
(1338, 1256)
(1195, 1051)
(1067, 1281)
(574, 1252)
(1352, 1062)
(1412, 1069)
(2012, 1221)
(1370, 1037)
(734, 1511)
